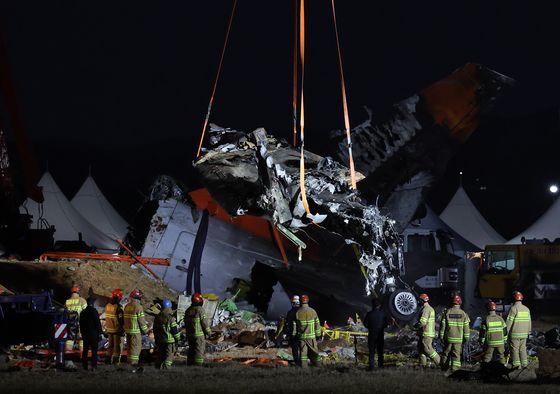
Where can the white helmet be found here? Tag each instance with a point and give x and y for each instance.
(295, 300)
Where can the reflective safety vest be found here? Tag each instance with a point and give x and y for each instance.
(75, 303)
(195, 322)
(134, 320)
(519, 321)
(113, 318)
(455, 325)
(165, 328)
(428, 321)
(306, 325)
(493, 331)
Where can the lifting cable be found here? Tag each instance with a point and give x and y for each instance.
(295, 70)
(216, 80)
(344, 104)
(301, 115)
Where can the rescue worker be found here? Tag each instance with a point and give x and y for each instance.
(134, 326)
(166, 334)
(90, 328)
(453, 331)
(74, 305)
(307, 329)
(197, 329)
(375, 321)
(114, 325)
(493, 335)
(426, 331)
(518, 325)
(290, 318)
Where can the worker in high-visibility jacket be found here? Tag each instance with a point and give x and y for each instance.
(166, 335)
(426, 327)
(307, 329)
(134, 326)
(197, 328)
(518, 325)
(74, 306)
(454, 330)
(114, 326)
(493, 335)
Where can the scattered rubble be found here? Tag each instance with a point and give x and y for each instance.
(549, 364)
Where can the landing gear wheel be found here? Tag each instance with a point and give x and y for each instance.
(403, 305)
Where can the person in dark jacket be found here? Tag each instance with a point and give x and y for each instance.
(375, 321)
(290, 318)
(90, 327)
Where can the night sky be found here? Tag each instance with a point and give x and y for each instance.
(123, 86)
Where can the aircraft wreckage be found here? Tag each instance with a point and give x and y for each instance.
(349, 245)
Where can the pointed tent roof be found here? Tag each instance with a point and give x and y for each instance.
(547, 226)
(57, 211)
(92, 205)
(463, 217)
(433, 222)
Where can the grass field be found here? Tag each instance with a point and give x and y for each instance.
(232, 378)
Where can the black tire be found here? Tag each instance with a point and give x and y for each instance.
(402, 305)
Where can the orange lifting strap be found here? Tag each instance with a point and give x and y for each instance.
(344, 104)
(301, 115)
(216, 80)
(295, 70)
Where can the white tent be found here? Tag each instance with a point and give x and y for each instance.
(93, 206)
(56, 210)
(463, 217)
(547, 226)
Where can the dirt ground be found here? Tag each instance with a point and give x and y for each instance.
(232, 378)
(101, 276)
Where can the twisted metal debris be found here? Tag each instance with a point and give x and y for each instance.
(258, 174)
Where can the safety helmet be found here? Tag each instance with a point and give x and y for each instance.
(304, 299)
(517, 296)
(424, 297)
(117, 293)
(75, 289)
(295, 300)
(137, 294)
(166, 304)
(491, 306)
(457, 300)
(196, 298)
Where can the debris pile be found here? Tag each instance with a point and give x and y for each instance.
(256, 173)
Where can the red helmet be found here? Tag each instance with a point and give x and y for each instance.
(196, 298)
(75, 289)
(137, 294)
(424, 297)
(457, 300)
(117, 293)
(491, 306)
(517, 296)
(304, 299)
